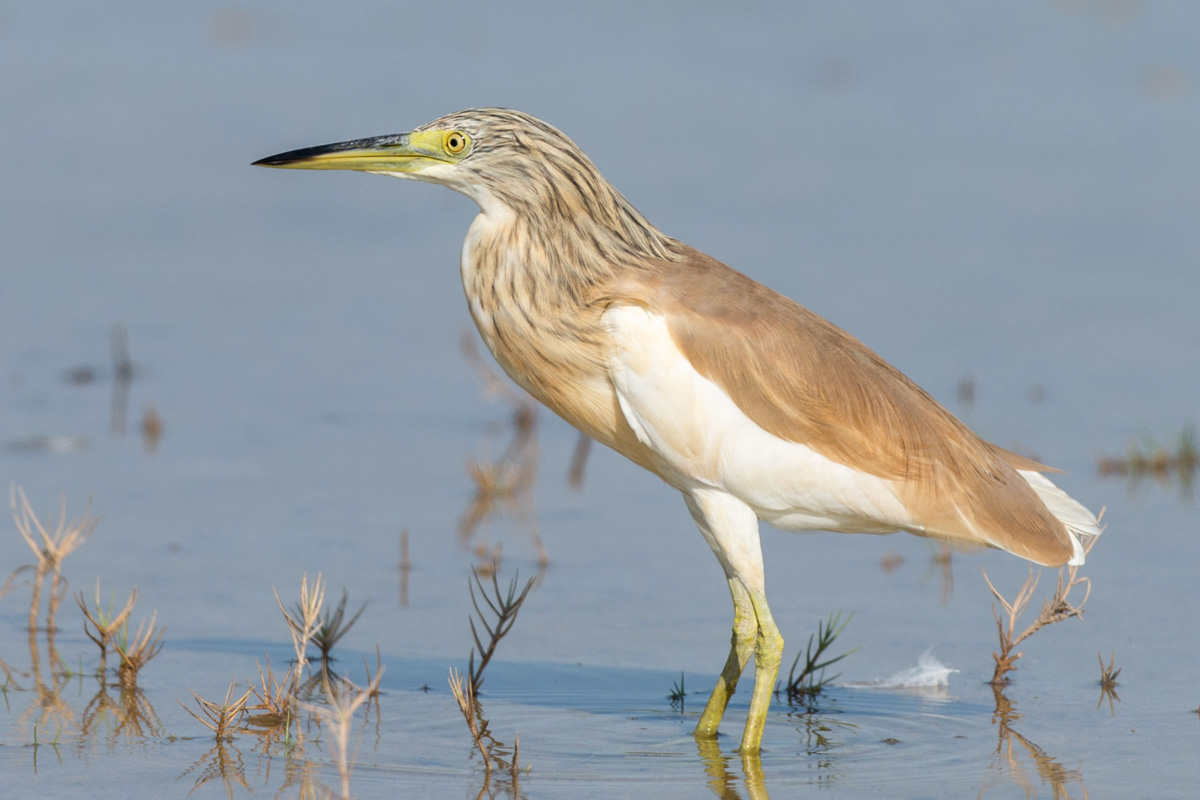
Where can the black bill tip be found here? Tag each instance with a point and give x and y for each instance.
(292, 157)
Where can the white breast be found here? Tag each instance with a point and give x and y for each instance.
(697, 428)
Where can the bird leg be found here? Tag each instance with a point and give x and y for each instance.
(731, 528)
(745, 627)
(768, 652)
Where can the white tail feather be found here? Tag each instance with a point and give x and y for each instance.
(1068, 510)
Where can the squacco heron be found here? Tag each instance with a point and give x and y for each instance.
(752, 406)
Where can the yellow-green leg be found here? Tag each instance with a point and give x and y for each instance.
(745, 628)
(730, 527)
(768, 652)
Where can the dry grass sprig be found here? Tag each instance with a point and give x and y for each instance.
(106, 623)
(306, 621)
(1056, 609)
(344, 700)
(463, 692)
(505, 608)
(135, 653)
(274, 700)
(51, 549)
(221, 718)
(334, 625)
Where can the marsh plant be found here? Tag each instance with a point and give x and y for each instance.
(1108, 675)
(222, 717)
(224, 761)
(1056, 609)
(504, 607)
(678, 693)
(49, 548)
(802, 688)
(278, 702)
(276, 705)
(310, 622)
(304, 623)
(464, 693)
(334, 625)
(106, 623)
(493, 751)
(136, 651)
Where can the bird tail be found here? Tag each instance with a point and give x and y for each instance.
(1069, 511)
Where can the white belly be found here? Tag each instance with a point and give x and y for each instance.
(708, 441)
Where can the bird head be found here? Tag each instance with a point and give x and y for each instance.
(485, 153)
(510, 163)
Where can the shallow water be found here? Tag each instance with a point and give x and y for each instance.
(1007, 197)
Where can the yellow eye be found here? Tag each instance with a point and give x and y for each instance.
(455, 142)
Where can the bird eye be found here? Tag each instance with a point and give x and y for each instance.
(456, 142)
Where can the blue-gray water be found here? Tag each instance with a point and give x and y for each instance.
(1005, 194)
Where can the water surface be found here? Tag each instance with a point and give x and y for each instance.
(1002, 197)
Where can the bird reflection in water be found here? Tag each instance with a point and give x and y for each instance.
(505, 484)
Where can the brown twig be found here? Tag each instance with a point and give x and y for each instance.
(1056, 609)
